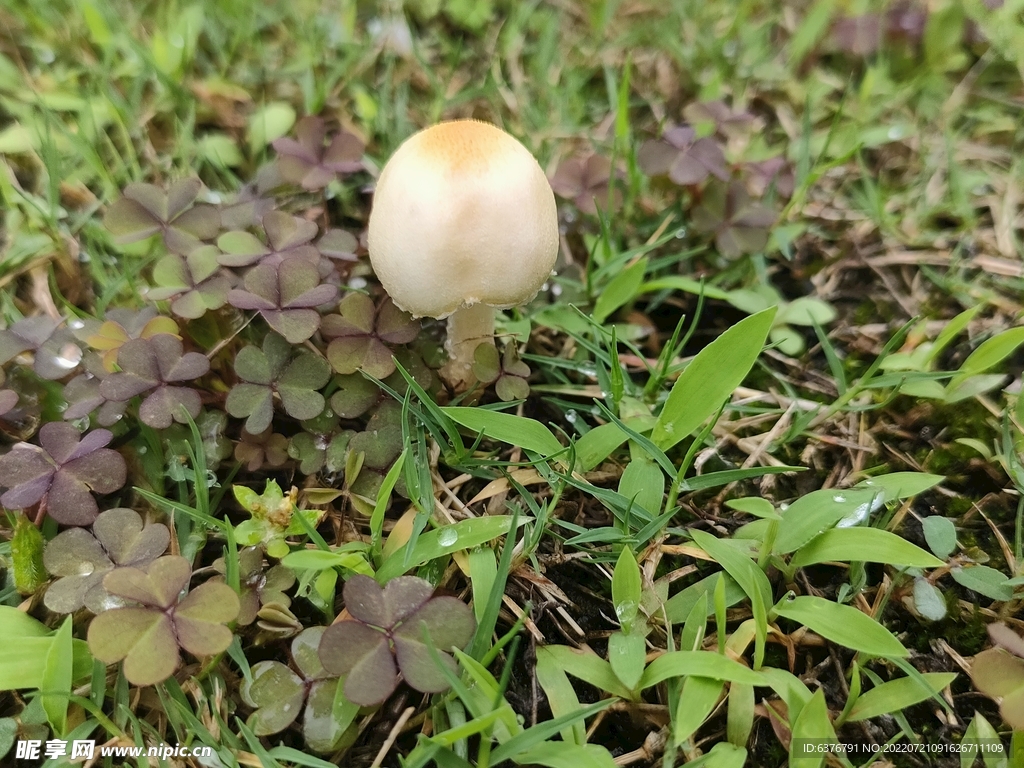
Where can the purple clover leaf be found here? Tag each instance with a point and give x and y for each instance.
(120, 325)
(8, 397)
(683, 157)
(738, 224)
(312, 164)
(323, 443)
(720, 115)
(55, 353)
(268, 448)
(156, 366)
(361, 335)
(386, 636)
(62, 472)
(146, 210)
(81, 559)
(286, 294)
(148, 636)
(355, 395)
(338, 245)
(259, 587)
(83, 396)
(507, 371)
(194, 283)
(278, 694)
(273, 372)
(585, 181)
(286, 237)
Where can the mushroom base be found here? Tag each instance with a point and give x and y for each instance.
(468, 327)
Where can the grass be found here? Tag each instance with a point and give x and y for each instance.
(867, 351)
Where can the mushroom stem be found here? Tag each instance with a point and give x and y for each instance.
(468, 327)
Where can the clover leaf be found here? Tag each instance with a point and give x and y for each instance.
(62, 473)
(156, 365)
(285, 295)
(278, 694)
(83, 396)
(287, 237)
(386, 636)
(146, 210)
(338, 245)
(268, 448)
(999, 673)
(258, 587)
(323, 444)
(683, 157)
(81, 559)
(508, 372)
(308, 162)
(148, 636)
(355, 395)
(194, 283)
(121, 325)
(739, 225)
(362, 332)
(585, 181)
(55, 354)
(8, 397)
(720, 116)
(274, 373)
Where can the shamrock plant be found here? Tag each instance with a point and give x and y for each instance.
(258, 586)
(81, 560)
(157, 367)
(286, 295)
(389, 633)
(307, 160)
(148, 634)
(279, 692)
(999, 673)
(276, 374)
(62, 473)
(361, 332)
(146, 210)
(194, 283)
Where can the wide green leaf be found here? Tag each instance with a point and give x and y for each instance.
(620, 290)
(439, 542)
(818, 511)
(57, 678)
(559, 754)
(710, 378)
(811, 728)
(588, 667)
(750, 578)
(507, 428)
(700, 664)
(897, 695)
(869, 545)
(842, 624)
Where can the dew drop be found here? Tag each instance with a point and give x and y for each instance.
(86, 569)
(571, 416)
(680, 233)
(142, 450)
(77, 324)
(357, 282)
(447, 537)
(625, 608)
(69, 357)
(839, 498)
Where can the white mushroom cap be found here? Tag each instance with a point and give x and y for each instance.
(462, 214)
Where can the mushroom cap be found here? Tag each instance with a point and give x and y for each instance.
(462, 214)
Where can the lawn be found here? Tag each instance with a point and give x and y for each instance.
(740, 484)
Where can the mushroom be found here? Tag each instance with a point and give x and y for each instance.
(463, 222)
